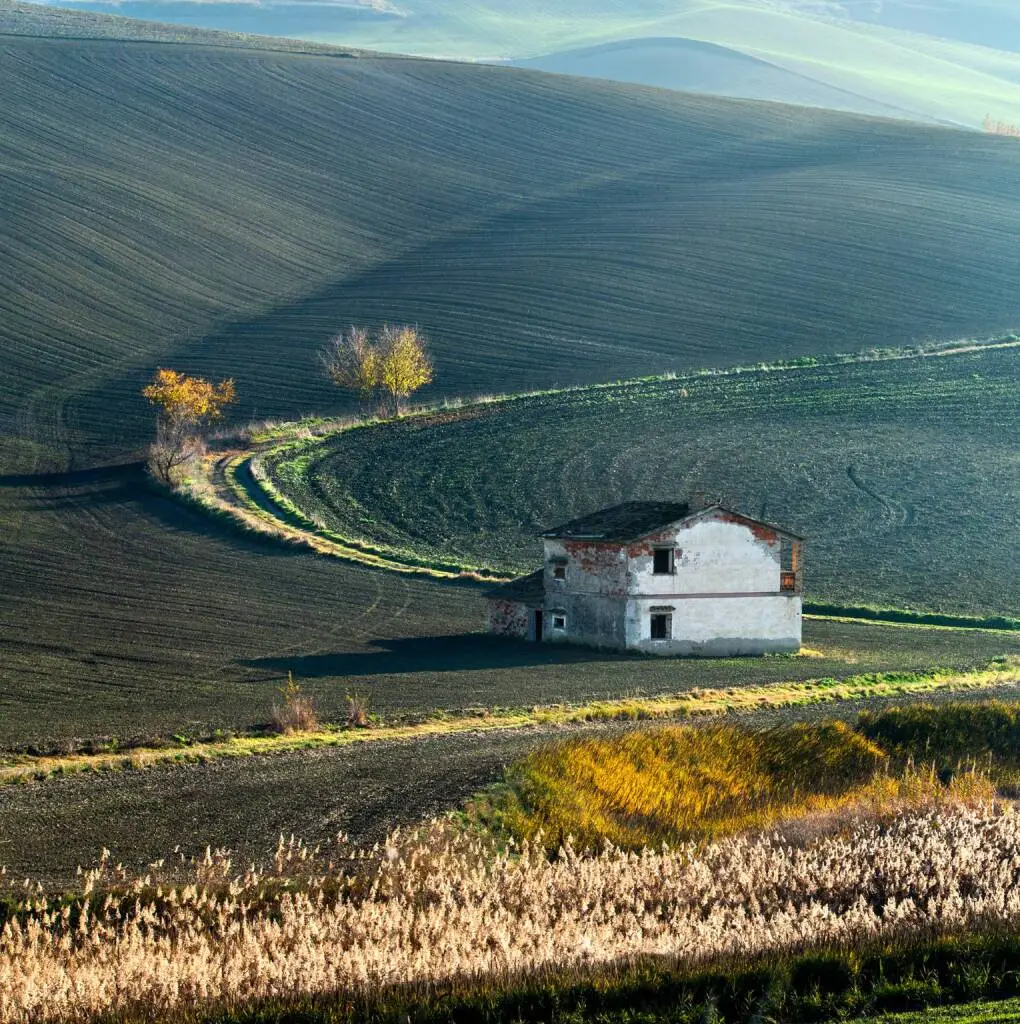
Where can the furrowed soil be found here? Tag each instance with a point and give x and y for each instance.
(128, 615)
(903, 474)
(222, 210)
(951, 61)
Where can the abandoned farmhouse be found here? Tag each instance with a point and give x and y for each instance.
(661, 578)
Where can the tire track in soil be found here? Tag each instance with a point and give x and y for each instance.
(896, 511)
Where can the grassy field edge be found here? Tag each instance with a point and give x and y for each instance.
(1000, 672)
(236, 485)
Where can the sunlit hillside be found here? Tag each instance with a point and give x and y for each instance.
(225, 209)
(955, 60)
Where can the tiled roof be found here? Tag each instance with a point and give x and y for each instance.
(629, 521)
(528, 589)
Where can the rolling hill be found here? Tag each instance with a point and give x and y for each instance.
(692, 66)
(943, 60)
(222, 207)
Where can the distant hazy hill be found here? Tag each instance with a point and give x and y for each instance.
(77, 22)
(692, 66)
(223, 209)
(944, 60)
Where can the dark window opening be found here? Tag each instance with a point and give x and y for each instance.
(662, 626)
(559, 572)
(662, 564)
(559, 620)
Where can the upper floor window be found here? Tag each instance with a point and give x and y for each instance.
(559, 571)
(663, 561)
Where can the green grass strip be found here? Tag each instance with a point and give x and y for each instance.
(243, 491)
(904, 616)
(970, 1013)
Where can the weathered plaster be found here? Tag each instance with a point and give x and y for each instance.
(714, 556)
(718, 626)
(724, 593)
(508, 618)
(592, 619)
(592, 568)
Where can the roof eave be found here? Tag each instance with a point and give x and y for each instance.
(702, 512)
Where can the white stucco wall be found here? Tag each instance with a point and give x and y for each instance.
(715, 557)
(718, 626)
(724, 593)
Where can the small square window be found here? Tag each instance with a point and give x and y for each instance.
(559, 572)
(559, 621)
(662, 626)
(662, 562)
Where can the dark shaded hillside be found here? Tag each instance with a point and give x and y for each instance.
(223, 210)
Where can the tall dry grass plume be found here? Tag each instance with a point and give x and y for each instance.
(438, 907)
(295, 712)
(923, 855)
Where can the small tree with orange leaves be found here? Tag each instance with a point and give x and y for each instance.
(184, 404)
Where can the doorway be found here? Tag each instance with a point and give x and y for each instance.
(537, 626)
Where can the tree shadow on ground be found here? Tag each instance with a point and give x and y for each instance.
(460, 653)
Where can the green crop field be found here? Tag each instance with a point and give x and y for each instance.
(902, 473)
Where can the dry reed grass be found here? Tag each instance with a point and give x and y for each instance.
(435, 906)
(296, 712)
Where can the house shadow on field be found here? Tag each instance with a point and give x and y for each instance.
(460, 653)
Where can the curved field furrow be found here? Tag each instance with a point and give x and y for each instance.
(902, 473)
(222, 209)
